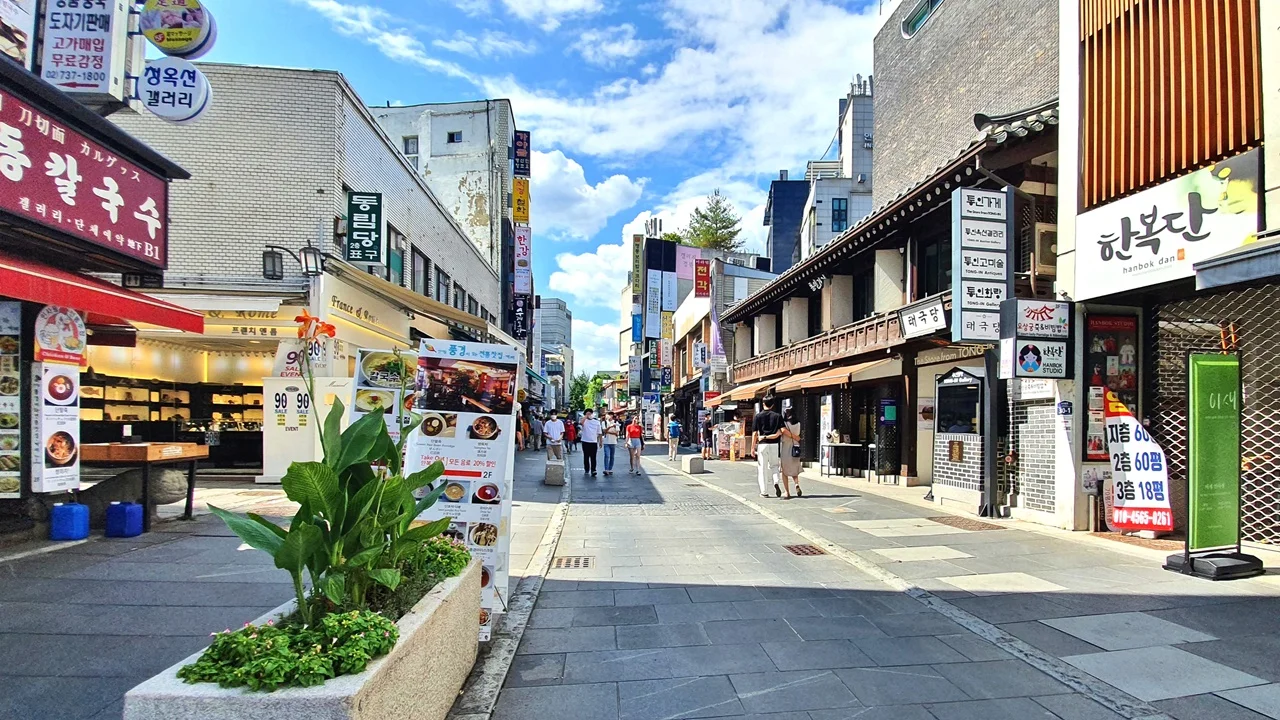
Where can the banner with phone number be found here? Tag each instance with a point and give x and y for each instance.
(1140, 487)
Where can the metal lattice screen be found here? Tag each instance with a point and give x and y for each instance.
(1248, 322)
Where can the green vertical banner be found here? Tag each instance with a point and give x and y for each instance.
(1213, 478)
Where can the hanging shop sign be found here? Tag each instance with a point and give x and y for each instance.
(86, 47)
(55, 427)
(1159, 234)
(687, 261)
(670, 291)
(11, 420)
(653, 353)
(665, 353)
(668, 376)
(520, 317)
(366, 245)
(702, 278)
(633, 373)
(637, 268)
(524, 260)
(465, 393)
(1213, 451)
(523, 153)
(653, 305)
(61, 336)
(175, 90)
(520, 200)
(700, 357)
(60, 179)
(1036, 339)
(1140, 473)
(1111, 365)
(922, 318)
(179, 28)
(981, 232)
(18, 31)
(719, 364)
(668, 326)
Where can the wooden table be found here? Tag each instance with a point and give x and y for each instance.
(147, 455)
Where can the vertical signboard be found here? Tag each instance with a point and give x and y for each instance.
(522, 149)
(466, 394)
(653, 353)
(637, 268)
(380, 377)
(520, 200)
(1036, 339)
(702, 278)
(633, 373)
(981, 261)
(10, 400)
(85, 47)
(668, 326)
(1141, 473)
(653, 305)
(365, 244)
(1213, 451)
(637, 328)
(55, 427)
(686, 261)
(520, 317)
(18, 30)
(524, 260)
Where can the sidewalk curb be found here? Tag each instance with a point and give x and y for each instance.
(1109, 697)
(480, 693)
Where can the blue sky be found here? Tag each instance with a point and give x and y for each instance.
(636, 108)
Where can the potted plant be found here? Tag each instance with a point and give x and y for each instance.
(381, 600)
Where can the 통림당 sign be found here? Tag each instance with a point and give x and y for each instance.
(365, 243)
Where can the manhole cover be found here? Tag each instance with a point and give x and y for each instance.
(965, 523)
(576, 562)
(804, 550)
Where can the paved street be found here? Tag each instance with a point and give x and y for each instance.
(690, 606)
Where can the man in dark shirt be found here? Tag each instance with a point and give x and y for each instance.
(766, 433)
(708, 437)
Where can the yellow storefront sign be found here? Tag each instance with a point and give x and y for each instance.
(520, 200)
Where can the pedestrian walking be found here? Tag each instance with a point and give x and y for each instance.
(673, 437)
(708, 437)
(790, 451)
(554, 429)
(635, 444)
(571, 434)
(609, 432)
(535, 427)
(590, 440)
(766, 433)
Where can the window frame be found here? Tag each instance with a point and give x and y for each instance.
(919, 15)
(443, 284)
(420, 273)
(839, 215)
(453, 137)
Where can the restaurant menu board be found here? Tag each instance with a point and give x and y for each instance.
(466, 394)
(1111, 363)
(380, 378)
(10, 400)
(55, 427)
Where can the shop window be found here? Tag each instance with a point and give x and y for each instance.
(455, 137)
(421, 271)
(958, 403)
(839, 215)
(442, 286)
(918, 16)
(864, 292)
(395, 256)
(933, 265)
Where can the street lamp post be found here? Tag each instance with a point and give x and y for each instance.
(309, 257)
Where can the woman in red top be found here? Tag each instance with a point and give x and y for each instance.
(635, 444)
(570, 434)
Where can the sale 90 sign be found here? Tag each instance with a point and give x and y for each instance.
(1141, 475)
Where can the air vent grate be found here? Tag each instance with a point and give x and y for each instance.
(574, 562)
(804, 550)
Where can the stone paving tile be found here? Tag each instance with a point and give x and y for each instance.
(1254, 654)
(724, 632)
(614, 666)
(1243, 618)
(658, 636)
(557, 640)
(1005, 709)
(1160, 673)
(787, 691)
(1199, 707)
(931, 623)
(796, 593)
(777, 609)
(817, 655)
(1002, 583)
(682, 698)
(552, 617)
(908, 685)
(724, 594)
(562, 701)
(717, 660)
(858, 602)
(1263, 699)
(575, 598)
(909, 651)
(885, 712)
(1000, 679)
(535, 670)
(1075, 707)
(1123, 631)
(1000, 609)
(610, 615)
(1054, 642)
(835, 628)
(974, 647)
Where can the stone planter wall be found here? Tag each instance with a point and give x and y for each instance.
(419, 678)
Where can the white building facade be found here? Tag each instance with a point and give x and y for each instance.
(840, 190)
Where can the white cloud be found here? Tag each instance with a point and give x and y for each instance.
(490, 43)
(593, 278)
(676, 207)
(380, 29)
(595, 347)
(563, 200)
(606, 46)
(547, 14)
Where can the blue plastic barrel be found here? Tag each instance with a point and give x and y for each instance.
(124, 519)
(69, 521)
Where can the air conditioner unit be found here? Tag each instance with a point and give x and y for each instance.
(862, 178)
(1046, 249)
(339, 227)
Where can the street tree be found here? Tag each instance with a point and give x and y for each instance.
(714, 225)
(578, 390)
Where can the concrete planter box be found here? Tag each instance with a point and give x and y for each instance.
(419, 678)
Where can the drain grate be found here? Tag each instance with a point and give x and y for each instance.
(574, 562)
(693, 484)
(804, 550)
(965, 523)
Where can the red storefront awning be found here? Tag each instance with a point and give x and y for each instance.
(34, 282)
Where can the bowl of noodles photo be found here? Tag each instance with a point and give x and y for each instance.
(385, 370)
(484, 428)
(375, 401)
(60, 449)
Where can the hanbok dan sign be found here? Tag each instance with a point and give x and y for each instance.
(1139, 470)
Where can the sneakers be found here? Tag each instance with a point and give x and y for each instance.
(799, 492)
(777, 491)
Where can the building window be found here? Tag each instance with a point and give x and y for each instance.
(421, 271)
(919, 16)
(442, 286)
(473, 307)
(410, 145)
(455, 137)
(839, 215)
(484, 313)
(395, 255)
(459, 297)
(933, 265)
(864, 293)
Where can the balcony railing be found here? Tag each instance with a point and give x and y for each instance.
(878, 332)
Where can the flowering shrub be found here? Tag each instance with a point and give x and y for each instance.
(266, 657)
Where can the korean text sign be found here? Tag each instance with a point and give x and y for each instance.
(524, 260)
(1213, 450)
(466, 394)
(364, 228)
(981, 257)
(1160, 234)
(702, 278)
(1140, 471)
(523, 148)
(58, 178)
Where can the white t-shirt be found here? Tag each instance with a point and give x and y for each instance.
(590, 430)
(609, 432)
(554, 430)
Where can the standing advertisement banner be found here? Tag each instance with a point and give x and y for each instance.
(1213, 451)
(826, 423)
(55, 427)
(61, 336)
(1140, 486)
(10, 400)
(380, 375)
(466, 394)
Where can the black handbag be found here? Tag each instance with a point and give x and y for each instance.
(795, 450)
